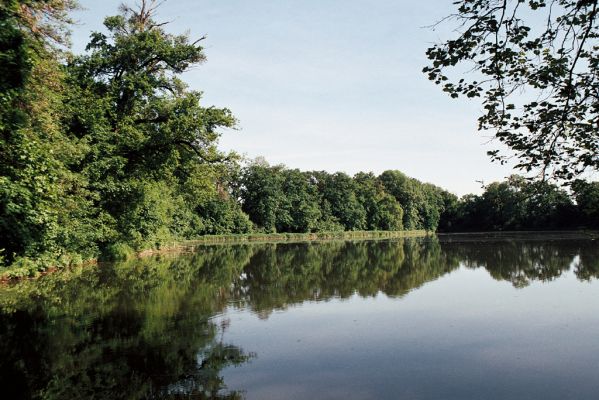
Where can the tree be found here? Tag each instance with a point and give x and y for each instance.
(515, 204)
(262, 195)
(547, 206)
(151, 152)
(450, 213)
(423, 203)
(406, 191)
(339, 191)
(301, 206)
(536, 68)
(383, 211)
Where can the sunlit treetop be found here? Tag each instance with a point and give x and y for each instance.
(44, 20)
(137, 66)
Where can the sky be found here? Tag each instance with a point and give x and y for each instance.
(330, 85)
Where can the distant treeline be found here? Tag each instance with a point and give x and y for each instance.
(110, 152)
(287, 200)
(520, 204)
(278, 199)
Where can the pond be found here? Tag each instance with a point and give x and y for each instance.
(447, 317)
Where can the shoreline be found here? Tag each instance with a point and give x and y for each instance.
(515, 235)
(193, 244)
(11, 275)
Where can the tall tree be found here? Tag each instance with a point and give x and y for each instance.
(262, 195)
(301, 203)
(536, 68)
(150, 141)
(407, 192)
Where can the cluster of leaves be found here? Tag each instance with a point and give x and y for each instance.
(536, 68)
(288, 200)
(38, 191)
(519, 204)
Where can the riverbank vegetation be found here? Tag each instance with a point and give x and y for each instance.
(108, 153)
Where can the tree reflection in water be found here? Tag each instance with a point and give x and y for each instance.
(145, 329)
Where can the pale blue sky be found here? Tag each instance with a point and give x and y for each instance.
(329, 84)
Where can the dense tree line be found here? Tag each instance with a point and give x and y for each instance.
(110, 152)
(278, 199)
(520, 204)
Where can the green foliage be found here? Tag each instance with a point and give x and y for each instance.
(535, 68)
(262, 195)
(38, 192)
(516, 204)
(422, 203)
(450, 211)
(338, 191)
(110, 148)
(301, 209)
(131, 160)
(117, 252)
(222, 216)
(383, 211)
(153, 159)
(587, 199)
(282, 200)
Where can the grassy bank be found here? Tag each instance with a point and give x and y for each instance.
(121, 252)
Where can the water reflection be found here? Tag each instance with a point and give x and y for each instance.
(136, 330)
(279, 275)
(145, 329)
(522, 261)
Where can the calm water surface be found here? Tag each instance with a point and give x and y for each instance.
(454, 317)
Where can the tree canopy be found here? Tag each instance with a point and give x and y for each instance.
(535, 65)
(36, 186)
(519, 204)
